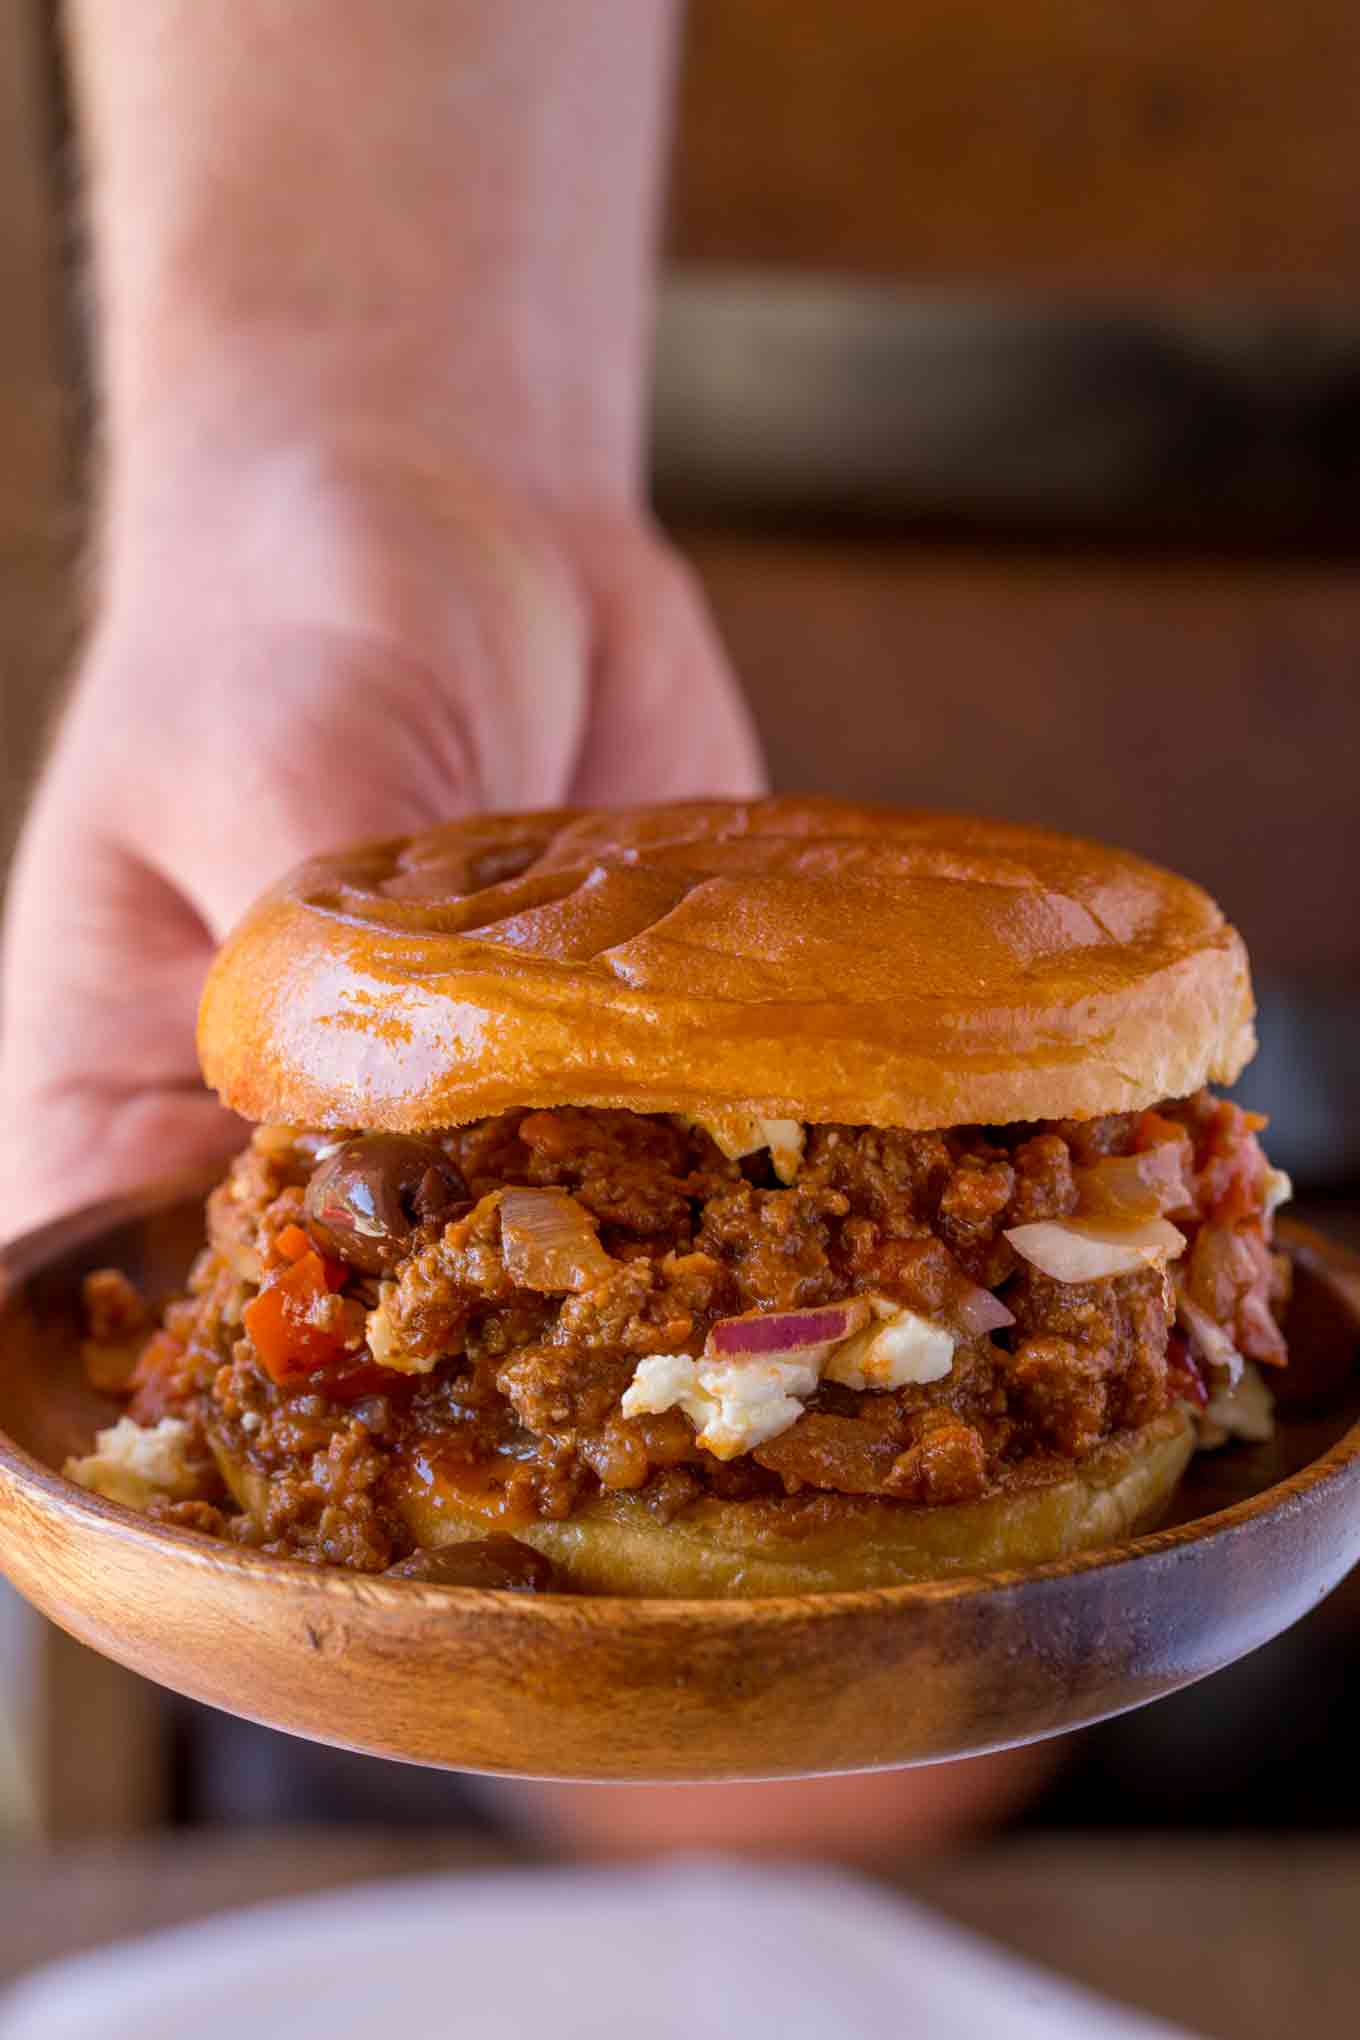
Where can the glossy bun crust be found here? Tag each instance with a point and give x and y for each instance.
(813, 959)
(824, 1544)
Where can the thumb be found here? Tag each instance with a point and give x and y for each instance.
(308, 741)
(668, 720)
(99, 1086)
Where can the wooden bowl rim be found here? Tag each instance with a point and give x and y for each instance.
(25, 1256)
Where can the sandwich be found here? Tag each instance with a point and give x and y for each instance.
(720, 1198)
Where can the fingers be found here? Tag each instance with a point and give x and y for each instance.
(221, 735)
(172, 800)
(326, 666)
(668, 720)
(84, 1144)
(292, 741)
(99, 1089)
(195, 767)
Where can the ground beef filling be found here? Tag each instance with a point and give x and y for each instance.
(333, 1377)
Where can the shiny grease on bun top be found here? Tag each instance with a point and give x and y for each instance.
(810, 959)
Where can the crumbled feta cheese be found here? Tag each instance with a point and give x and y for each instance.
(901, 1349)
(786, 1139)
(1246, 1409)
(737, 1134)
(134, 1466)
(734, 1405)
(383, 1343)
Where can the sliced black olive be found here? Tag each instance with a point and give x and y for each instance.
(364, 1201)
(501, 1562)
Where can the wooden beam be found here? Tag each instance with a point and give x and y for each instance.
(1060, 144)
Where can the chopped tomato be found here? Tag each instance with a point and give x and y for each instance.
(1229, 1167)
(1152, 1129)
(286, 1323)
(1184, 1378)
(293, 1244)
(289, 1328)
(1233, 1171)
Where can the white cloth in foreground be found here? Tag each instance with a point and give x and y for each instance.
(697, 1949)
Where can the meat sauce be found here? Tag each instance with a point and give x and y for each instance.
(480, 1368)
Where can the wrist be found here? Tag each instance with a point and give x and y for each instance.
(363, 402)
(433, 232)
(300, 474)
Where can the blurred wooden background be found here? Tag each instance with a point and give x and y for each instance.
(1193, 698)
(1174, 147)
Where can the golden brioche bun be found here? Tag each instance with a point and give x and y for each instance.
(749, 1550)
(809, 958)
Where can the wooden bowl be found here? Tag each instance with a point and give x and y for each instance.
(613, 1688)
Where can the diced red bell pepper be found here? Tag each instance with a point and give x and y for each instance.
(282, 1323)
(282, 1319)
(293, 1244)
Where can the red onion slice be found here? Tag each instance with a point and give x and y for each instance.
(776, 1334)
(548, 1242)
(977, 1311)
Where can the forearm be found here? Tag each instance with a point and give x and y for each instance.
(432, 219)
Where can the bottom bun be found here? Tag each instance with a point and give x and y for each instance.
(614, 1545)
(824, 1543)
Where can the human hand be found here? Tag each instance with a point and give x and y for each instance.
(296, 645)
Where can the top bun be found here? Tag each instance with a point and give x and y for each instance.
(809, 959)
